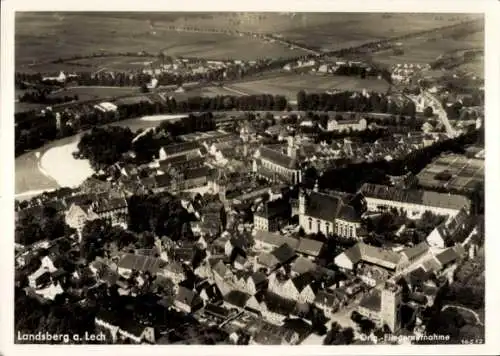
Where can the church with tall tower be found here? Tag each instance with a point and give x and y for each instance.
(277, 165)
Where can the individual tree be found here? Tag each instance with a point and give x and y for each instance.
(95, 235)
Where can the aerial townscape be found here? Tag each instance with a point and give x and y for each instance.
(249, 178)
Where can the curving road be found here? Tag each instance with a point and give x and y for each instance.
(438, 109)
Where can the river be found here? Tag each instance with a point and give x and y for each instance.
(29, 173)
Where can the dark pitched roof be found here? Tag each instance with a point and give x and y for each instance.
(275, 239)
(372, 301)
(302, 281)
(268, 260)
(187, 296)
(272, 209)
(284, 253)
(148, 182)
(449, 255)
(181, 147)
(277, 304)
(163, 180)
(419, 276)
(323, 206)
(43, 278)
(310, 247)
(195, 173)
(237, 298)
(141, 263)
(220, 268)
(348, 213)
(353, 254)
(372, 254)
(258, 277)
(277, 158)
(302, 265)
(173, 161)
(416, 250)
(431, 265)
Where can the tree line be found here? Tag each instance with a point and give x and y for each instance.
(42, 96)
(351, 101)
(33, 129)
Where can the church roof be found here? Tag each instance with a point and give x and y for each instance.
(278, 158)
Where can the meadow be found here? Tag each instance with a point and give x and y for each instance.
(289, 85)
(356, 29)
(426, 49)
(43, 37)
(95, 92)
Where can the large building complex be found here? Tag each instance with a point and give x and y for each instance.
(414, 202)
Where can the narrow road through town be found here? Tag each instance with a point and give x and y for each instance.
(440, 111)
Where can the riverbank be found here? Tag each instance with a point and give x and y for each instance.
(156, 118)
(59, 164)
(28, 176)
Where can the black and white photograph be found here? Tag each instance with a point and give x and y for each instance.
(249, 178)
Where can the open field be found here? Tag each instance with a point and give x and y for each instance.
(290, 85)
(287, 23)
(115, 62)
(48, 36)
(427, 49)
(95, 92)
(475, 67)
(359, 28)
(465, 173)
(205, 91)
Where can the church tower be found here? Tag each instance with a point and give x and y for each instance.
(391, 305)
(302, 202)
(291, 150)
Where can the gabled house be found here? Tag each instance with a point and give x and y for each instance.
(256, 282)
(130, 262)
(101, 207)
(220, 269)
(308, 247)
(302, 265)
(413, 254)
(276, 308)
(302, 288)
(450, 256)
(124, 329)
(209, 293)
(188, 149)
(267, 241)
(236, 299)
(455, 230)
(328, 302)
(272, 215)
(188, 300)
(368, 254)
